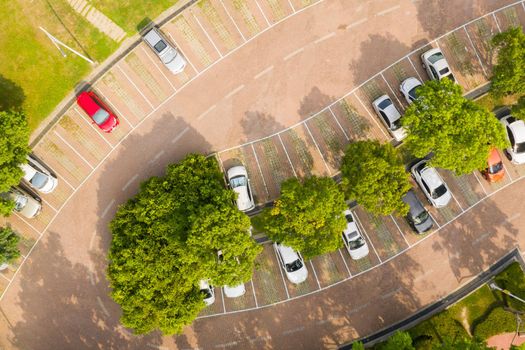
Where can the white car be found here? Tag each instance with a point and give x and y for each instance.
(516, 135)
(353, 239)
(168, 54)
(235, 291)
(38, 177)
(207, 291)
(239, 182)
(436, 65)
(432, 184)
(292, 263)
(408, 88)
(390, 116)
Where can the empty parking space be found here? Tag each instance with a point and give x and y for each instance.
(513, 16)
(245, 301)
(466, 188)
(481, 33)
(414, 60)
(267, 280)
(330, 268)
(275, 10)
(217, 307)
(246, 15)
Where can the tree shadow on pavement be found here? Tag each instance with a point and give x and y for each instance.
(256, 125)
(314, 102)
(11, 95)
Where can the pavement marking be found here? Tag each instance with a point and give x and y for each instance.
(49, 205)
(101, 304)
(65, 181)
(91, 125)
(340, 126)
(434, 219)
(185, 56)
(389, 294)
(323, 38)
(74, 150)
(373, 118)
(179, 136)
(344, 262)
(157, 156)
(482, 187)
(291, 5)
(315, 274)
(413, 66)
(298, 51)
(513, 217)
(234, 91)
(356, 23)
(92, 240)
(207, 35)
(119, 114)
(460, 207)
(126, 185)
(108, 207)
(260, 171)
(281, 271)
(262, 12)
(254, 296)
(263, 72)
(388, 10)
(427, 271)
(223, 303)
(231, 18)
(287, 155)
(481, 238)
(366, 234)
(393, 93)
(158, 68)
(399, 229)
(203, 114)
(27, 223)
(318, 149)
(7, 279)
(507, 171)
(475, 51)
(496, 20)
(135, 86)
(294, 330)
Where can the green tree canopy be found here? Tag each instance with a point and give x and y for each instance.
(398, 341)
(508, 75)
(166, 239)
(518, 110)
(459, 132)
(13, 151)
(462, 344)
(374, 175)
(308, 216)
(8, 245)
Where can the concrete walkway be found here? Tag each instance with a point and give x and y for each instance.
(503, 341)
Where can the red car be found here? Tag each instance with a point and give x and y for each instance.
(494, 171)
(97, 111)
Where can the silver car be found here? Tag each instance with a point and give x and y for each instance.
(436, 65)
(390, 116)
(408, 88)
(25, 204)
(37, 176)
(168, 54)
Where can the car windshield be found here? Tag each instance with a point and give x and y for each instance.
(444, 71)
(495, 168)
(385, 103)
(356, 244)
(238, 181)
(435, 57)
(438, 192)
(422, 217)
(161, 45)
(396, 125)
(101, 116)
(294, 266)
(519, 147)
(207, 293)
(39, 180)
(412, 93)
(349, 218)
(20, 202)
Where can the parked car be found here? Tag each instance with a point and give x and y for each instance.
(436, 65)
(207, 291)
(409, 89)
(37, 176)
(239, 182)
(432, 184)
(292, 263)
(98, 111)
(235, 291)
(516, 135)
(417, 216)
(167, 53)
(25, 203)
(390, 116)
(353, 239)
(495, 170)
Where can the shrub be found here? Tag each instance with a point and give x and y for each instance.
(496, 322)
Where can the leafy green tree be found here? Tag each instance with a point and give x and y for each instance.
(374, 175)
(398, 341)
(358, 346)
(166, 239)
(308, 216)
(508, 75)
(518, 110)
(459, 132)
(13, 151)
(462, 344)
(8, 245)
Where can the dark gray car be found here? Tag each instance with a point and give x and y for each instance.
(417, 216)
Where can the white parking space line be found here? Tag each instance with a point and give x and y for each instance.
(73, 149)
(475, 51)
(281, 271)
(108, 207)
(356, 23)
(323, 38)
(479, 181)
(287, 155)
(366, 234)
(371, 116)
(523, 5)
(157, 156)
(315, 274)
(185, 56)
(254, 296)
(388, 10)
(92, 127)
(135, 86)
(296, 52)
(262, 12)
(65, 181)
(158, 68)
(231, 19)
(459, 205)
(27, 223)
(340, 126)
(317, 146)
(49, 205)
(102, 306)
(234, 91)
(434, 219)
(119, 114)
(399, 229)
(179, 136)
(223, 303)
(413, 66)
(130, 181)
(260, 170)
(1, 274)
(203, 114)
(344, 262)
(496, 20)
(263, 72)
(207, 35)
(507, 172)
(393, 93)
(291, 5)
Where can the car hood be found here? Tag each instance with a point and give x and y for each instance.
(235, 291)
(425, 225)
(50, 185)
(443, 200)
(360, 252)
(174, 62)
(31, 209)
(409, 84)
(109, 124)
(298, 276)
(243, 199)
(399, 134)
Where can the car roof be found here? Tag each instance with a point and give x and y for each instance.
(287, 253)
(87, 103)
(431, 177)
(413, 202)
(518, 130)
(236, 171)
(494, 157)
(152, 36)
(410, 83)
(432, 52)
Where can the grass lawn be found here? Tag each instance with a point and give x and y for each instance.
(33, 72)
(491, 103)
(129, 14)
